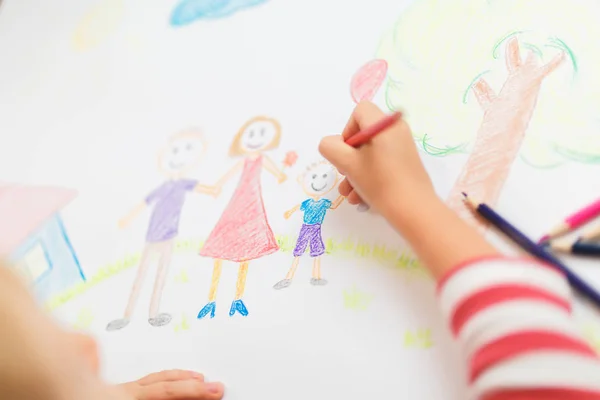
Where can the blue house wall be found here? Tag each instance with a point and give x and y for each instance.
(65, 270)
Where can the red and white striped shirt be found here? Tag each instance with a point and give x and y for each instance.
(512, 318)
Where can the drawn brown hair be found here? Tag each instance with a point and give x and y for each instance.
(236, 148)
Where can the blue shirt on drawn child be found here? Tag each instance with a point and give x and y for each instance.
(315, 210)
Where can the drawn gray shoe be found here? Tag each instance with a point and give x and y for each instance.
(117, 324)
(161, 319)
(318, 282)
(282, 284)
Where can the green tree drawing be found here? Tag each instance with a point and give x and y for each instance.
(496, 79)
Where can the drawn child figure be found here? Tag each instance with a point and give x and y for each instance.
(182, 153)
(243, 233)
(318, 180)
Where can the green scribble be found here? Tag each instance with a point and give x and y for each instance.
(535, 49)
(466, 93)
(578, 156)
(101, 275)
(496, 48)
(421, 339)
(84, 319)
(183, 325)
(438, 151)
(561, 45)
(182, 276)
(397, 259)
(357, 300)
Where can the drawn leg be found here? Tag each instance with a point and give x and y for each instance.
(135, 291)
(317, 249)
(156, 319)
(210, 307)
(238, 305)
(301, 244)
(282, 284)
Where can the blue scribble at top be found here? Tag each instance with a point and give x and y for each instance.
(188, 11)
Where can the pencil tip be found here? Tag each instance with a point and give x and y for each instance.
(464, 195)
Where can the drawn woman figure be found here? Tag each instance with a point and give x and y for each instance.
(243, 232)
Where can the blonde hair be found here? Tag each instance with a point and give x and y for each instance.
(236, 146)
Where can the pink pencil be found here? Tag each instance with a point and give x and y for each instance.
(368, 133)
(574, 221)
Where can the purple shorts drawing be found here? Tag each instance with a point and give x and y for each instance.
(310, 234)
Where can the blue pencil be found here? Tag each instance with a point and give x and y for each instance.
(578, 247)
(532, 248)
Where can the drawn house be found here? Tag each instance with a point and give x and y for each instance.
(33, 237)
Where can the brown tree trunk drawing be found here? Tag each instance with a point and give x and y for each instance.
(506, 116)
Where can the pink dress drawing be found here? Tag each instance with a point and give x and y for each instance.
(243, 232)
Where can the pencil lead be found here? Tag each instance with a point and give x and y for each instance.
(464, 195)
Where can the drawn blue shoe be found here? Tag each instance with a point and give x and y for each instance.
(239, 306)
(208, 309)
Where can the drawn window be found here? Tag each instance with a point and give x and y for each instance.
(35, 264)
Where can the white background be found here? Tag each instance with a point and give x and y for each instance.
(94, 121)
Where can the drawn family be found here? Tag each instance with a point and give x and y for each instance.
(242, 233)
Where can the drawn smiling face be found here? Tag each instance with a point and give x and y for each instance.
(319, 180)
(182, 153)
(258, 136)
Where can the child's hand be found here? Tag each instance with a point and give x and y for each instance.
(386, 173)
(173, 385)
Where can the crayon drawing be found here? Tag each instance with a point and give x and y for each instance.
(99, 23)
(317, 181)
(503, 79)
(189, 11)
(356, 300)
(243, 232)
(183, 152)
(33, 236)
(367, 80)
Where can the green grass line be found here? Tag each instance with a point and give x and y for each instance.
(394, 258)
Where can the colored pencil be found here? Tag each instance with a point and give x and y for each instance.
(370, 132)
(574, 221)
(578, 247)
(532, 248)
(592, 234)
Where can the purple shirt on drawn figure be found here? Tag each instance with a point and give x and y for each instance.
(168, 202)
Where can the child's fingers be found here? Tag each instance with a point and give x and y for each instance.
(191, 389)
(345, 188)
(338, 153)
(364, 114)
(169, 376)
(353, 198)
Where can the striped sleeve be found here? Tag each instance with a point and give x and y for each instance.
(512, 319)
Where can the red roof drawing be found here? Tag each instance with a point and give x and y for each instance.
(23, 210)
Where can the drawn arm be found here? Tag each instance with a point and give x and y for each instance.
(205, 189)
(291, 211)
(133, 214)
(270, 166)
(336, 203)
(484, 93)
(229, 174)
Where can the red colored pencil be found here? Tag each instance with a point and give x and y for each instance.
(367, 134)
(574, 221)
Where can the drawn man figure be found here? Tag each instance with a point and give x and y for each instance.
(183, 152)
(317, 181)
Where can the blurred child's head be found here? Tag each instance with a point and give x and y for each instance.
(182, 153)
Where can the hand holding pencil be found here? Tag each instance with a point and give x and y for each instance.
(384, 167)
